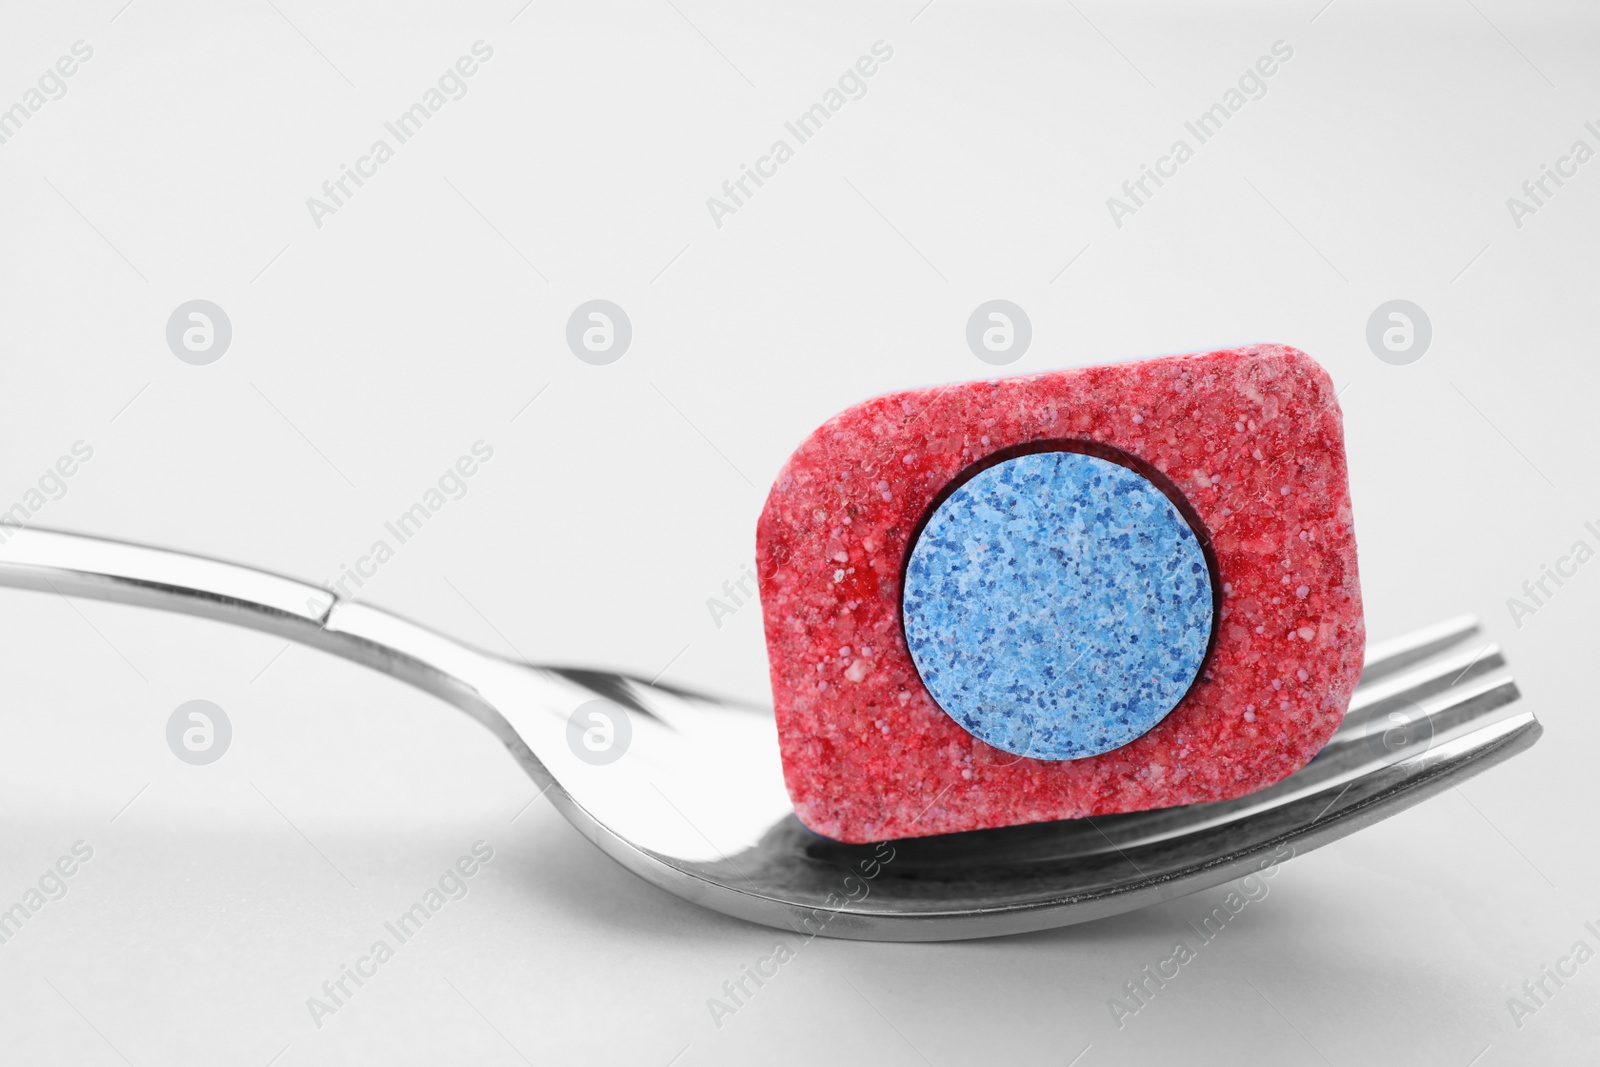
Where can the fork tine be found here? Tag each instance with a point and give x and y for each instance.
(1397, 653)
(1416, 682)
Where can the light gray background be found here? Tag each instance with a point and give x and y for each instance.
(370, 353)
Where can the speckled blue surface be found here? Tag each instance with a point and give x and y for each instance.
(1057, 605)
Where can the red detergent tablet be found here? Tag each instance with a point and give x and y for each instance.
(1061, 595)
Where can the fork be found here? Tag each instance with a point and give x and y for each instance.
(696, 804)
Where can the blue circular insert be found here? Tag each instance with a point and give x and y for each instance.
(1057, 605)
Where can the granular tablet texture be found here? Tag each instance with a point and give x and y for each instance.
(1057, 605)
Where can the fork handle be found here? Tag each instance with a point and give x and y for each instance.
(71, 564)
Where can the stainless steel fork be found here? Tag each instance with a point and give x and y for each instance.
(696, 804)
